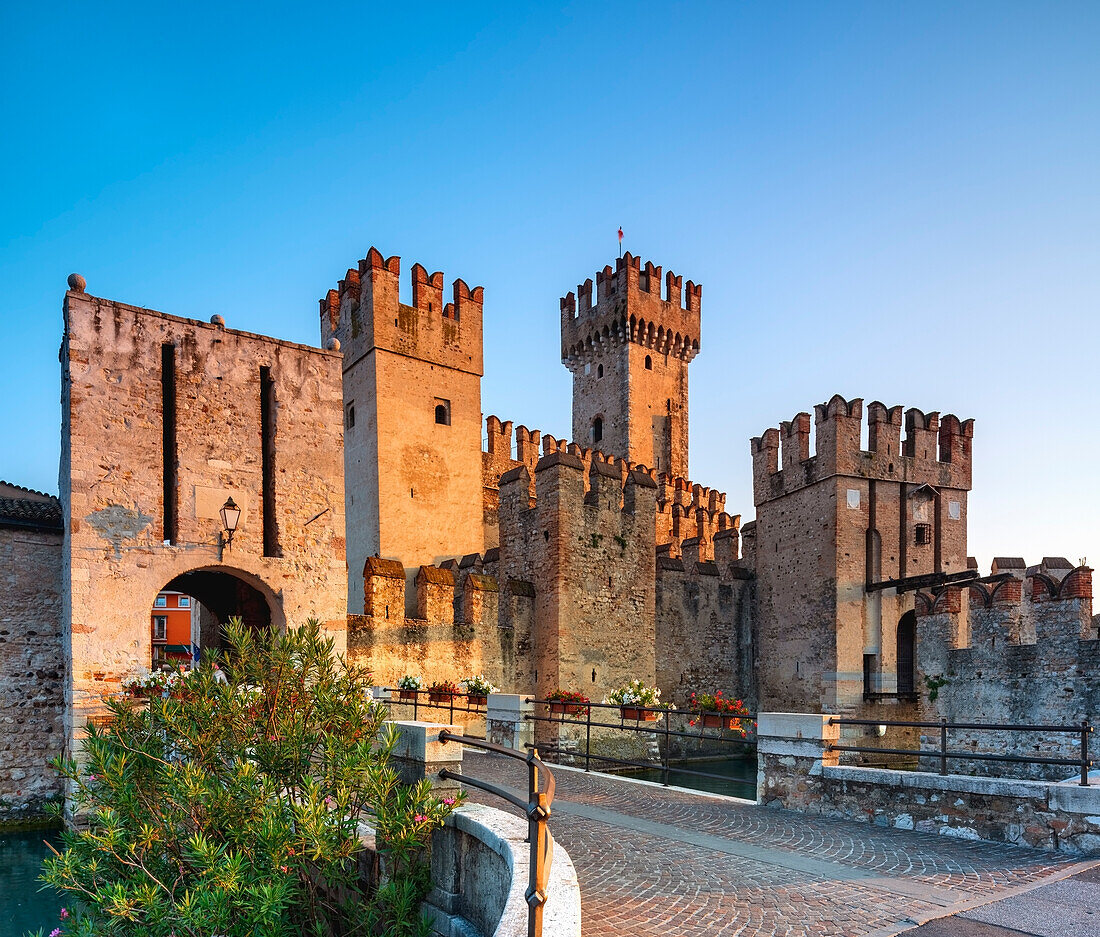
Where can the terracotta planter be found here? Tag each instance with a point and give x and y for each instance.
(407, 695)
(638, 715)
(718, 721)
(567, 709)
(439, 697)
(476, 700)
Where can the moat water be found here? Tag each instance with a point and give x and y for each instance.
(23, 908)
(737, 776)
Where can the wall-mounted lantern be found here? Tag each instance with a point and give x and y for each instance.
(230, 514)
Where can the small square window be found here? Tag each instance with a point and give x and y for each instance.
(923, 534)
(853, 498)
(161, 601)
(954, 510)
(442, 411)
(185, 601)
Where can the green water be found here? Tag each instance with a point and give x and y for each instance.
(23, 907)
(738, 776)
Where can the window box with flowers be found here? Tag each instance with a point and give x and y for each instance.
(407, 687)
(443, 692)
(568, 703)
(636, 701)
(478, 690)
(715, 711)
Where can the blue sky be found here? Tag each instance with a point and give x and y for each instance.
(893, 201)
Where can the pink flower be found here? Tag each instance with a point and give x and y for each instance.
(64, 914)
(420, 818)
(284, 868)
(91, 777)
(449, 801)
(56, 932)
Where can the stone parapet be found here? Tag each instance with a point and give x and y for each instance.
(796, 771)
(508, 722)
(420, 754)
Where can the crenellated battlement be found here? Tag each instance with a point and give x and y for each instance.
(629, 308)
(934, 451)
(365, 313)
(685, 509)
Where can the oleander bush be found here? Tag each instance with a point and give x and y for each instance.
(232, 805)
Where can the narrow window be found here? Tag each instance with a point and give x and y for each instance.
(349, 420)
(168, 442)
(923, 534)
(907, 636)
(160, 627)
(267, 461)
(648, 363)
(599, 371)
(597, 429)
(868, 674)
(442, 411)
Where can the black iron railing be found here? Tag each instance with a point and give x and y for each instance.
(426, 699)
(537, 810)
(944, 754)
(653, 720)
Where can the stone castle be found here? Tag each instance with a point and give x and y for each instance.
(370, 503)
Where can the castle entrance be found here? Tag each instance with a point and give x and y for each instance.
(191, 610)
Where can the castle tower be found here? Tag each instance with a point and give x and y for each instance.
(412, 416)
(844, 537)
(629, 353)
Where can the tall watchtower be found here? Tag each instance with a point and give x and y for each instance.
(844, 537)
(412, 415)
(629, 353)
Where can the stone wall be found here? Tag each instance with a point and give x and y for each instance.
(586, 544)
(32, 669)
(704, 627)
(464, 625)
(796, 771)
(1018, 651)
(125, 541)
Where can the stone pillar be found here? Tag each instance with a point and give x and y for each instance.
(507, 722)
(420, 754)
(791, 750)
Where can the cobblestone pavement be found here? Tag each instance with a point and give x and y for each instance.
(657, 861)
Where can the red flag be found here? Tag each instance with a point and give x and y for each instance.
(620, 234)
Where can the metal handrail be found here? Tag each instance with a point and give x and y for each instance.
(661, 728)
(943, 753)
(416, 703)
(536, 808)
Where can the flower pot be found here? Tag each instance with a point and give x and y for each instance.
(475, 700)
(718, 721)
(439, 697)
(407, 695)
(557, 709)
(638, 714)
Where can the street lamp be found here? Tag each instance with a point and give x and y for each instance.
(230, 514)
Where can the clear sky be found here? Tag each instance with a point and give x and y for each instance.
(888, 200)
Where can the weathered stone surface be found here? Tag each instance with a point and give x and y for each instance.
(32, 669)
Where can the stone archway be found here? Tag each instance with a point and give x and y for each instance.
(221, 593)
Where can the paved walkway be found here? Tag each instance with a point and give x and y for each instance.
(667, 862)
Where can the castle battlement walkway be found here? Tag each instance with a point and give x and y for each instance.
(663, 861)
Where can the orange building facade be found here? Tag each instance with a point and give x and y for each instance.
(174, 624)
